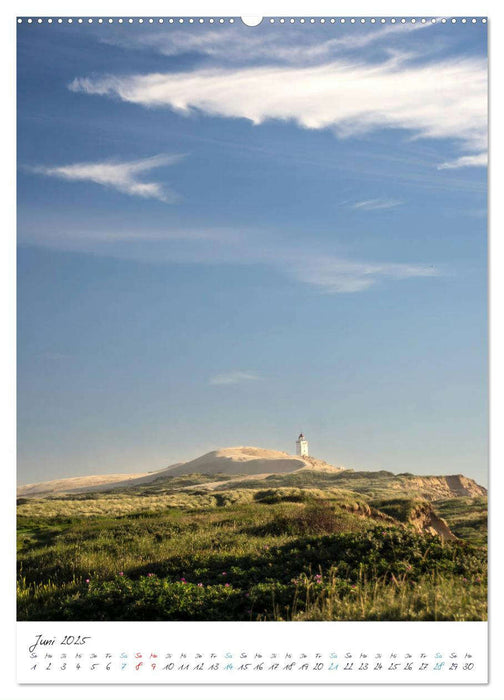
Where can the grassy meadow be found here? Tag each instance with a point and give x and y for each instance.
(284, 553)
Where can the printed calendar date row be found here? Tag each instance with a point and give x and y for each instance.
(141, 666)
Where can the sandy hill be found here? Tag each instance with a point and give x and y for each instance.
(246, 461)
(250, 467)
(77, 484)
(230, 460)
(439, 487)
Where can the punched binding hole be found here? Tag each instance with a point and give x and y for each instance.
(251, 21)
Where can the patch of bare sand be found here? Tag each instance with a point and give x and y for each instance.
(243, 461)
(76, 483)
(240, 460)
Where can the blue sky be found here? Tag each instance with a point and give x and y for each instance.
(230, 234)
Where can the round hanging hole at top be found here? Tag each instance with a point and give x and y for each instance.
(251, 21)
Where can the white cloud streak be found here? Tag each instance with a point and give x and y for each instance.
(480, 159)
(267, 45)
(322, 270)
(233, 377)
(73, 235)
(444, 100)
(374, 204)
(121, 176)
(333, 275)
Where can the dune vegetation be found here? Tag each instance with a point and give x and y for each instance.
(292, 552)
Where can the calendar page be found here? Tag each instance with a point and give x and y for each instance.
(252, 350)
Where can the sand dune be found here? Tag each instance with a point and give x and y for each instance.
(246, 460)
(230, 460)
(76, 483)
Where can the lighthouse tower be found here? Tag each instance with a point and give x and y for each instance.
(302, 446)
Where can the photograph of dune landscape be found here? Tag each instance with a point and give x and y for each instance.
(252, 321)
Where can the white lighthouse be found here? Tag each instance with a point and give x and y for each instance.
(302, 446)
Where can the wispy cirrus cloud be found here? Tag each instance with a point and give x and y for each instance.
(440, 100)
(272, 45)
(234, 377)
(465, 162)
(122, 176)
(374, 204)
(333, 275)
(74, 235)
(321, 269)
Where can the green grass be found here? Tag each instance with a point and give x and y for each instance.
(401, 509)
(252, 554)
(467, 517)
(428, 597)
(115, 503)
